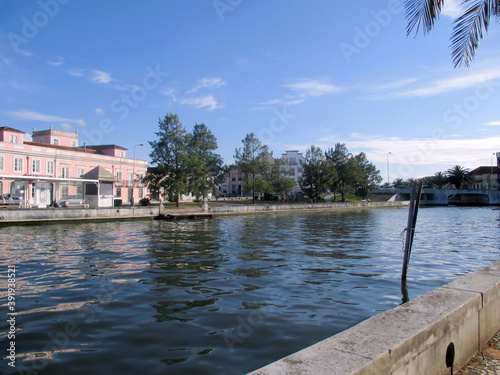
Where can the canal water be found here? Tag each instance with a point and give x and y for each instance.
(225, 295)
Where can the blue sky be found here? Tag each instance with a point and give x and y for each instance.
(295, 73)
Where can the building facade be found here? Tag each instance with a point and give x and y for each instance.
(49, 167)
(294, 160)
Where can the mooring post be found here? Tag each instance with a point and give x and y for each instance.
(415, 193)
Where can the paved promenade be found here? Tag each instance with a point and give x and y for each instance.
(486, 362)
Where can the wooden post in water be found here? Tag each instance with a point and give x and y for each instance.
(416, 192)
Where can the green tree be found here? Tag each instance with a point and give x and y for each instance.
(458, 176)
(369, 177)
(250, 162)
(170, 153)
(398, 182)
(467, 29)
(318, 174)
(278, 178)
(437, 180)
(348, 170)
(206, 166)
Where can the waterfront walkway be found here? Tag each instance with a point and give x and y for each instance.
(485, 363)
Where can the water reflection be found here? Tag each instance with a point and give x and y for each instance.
(225, 295)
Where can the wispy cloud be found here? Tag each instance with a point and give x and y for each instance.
(301, 90)
(57, 62)
(492, 123)
(307, 88)
(203, 101)
(208, 83)
(35, 116)
(452, 84)
(101, 77)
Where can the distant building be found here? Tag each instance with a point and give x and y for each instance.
(294, 161)
(232, 186)
(485, 178)
(50, 167)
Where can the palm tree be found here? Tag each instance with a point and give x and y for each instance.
(439, 180)
(458, 175)
(467, 29)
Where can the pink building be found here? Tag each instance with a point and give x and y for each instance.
(49, 168)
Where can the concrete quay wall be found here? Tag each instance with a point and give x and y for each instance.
(34, 215)
(414, 338)
(238, 208)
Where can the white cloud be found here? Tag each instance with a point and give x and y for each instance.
(99, 111)
(78, 73)
(35, 116)
(308, 88)
(452, 8)
(208, 83)
(492, 123)
(203, 101)
(452, 84)
(170, 92)
(101, 77)
(59, 61)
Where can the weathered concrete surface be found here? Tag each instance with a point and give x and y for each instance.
(237, 208)
(412, 338)
(33, 215)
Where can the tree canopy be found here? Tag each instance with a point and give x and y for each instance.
(250, 161)
(186, 162)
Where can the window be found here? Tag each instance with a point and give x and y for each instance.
(130, 178)
(73, 144)
(80, 171)
(35, 166)
(18, 164)
(56, 141)
(141, 193)
(65, 172)
(120, 154)
(40, 140)
(50, 167)
(13, 138)
(141, 178)
(64, 191)
(1, 166)
(119, 178)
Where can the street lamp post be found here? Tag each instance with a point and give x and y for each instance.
(133, 174)
(388, 175)
(491, 170)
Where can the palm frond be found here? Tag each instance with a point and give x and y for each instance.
(468, 30)
(422, 13)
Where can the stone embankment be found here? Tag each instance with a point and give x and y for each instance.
(434, 334)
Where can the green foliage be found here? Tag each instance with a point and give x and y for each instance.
(368, 178)
(206, 166)
(458, 176)
(318, 174)
(170, 153)
(187, 163)
(277, 177)
(250, 161)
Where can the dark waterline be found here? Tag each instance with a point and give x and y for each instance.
(220, 296)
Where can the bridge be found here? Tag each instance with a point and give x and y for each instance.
(473, 197)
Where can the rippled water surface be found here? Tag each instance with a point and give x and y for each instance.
(219, 296)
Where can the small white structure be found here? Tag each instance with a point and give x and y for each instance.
(99, 194)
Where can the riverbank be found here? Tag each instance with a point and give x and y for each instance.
(440, 330)
(23, 216)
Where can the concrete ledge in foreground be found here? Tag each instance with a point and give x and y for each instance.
(413, 338)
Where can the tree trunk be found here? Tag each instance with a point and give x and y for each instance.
(177, 198)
